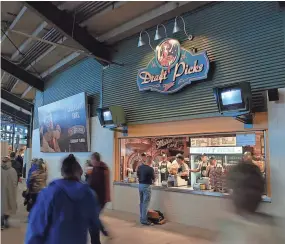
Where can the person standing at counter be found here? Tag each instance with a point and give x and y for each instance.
(183, 169)
(202, 166)
(164, 167)
(215, 172)
(143, 159)
(146, 178)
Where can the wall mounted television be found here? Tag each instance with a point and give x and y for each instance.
(64, 125)
(234, 97)
(112, 117)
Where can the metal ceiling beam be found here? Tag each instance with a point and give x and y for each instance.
(38, 59)
(58, 65)
(21, 74)
(12, 105)
(15, 113)
(52, 14)
(15, 21)
(165, 12)
(22, 47)
(16, 100)
(112, 7)
(53, 68)
(4, 74)
(11, 120)
(25, 44)
(26, 91)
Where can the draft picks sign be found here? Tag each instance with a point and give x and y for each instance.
(172, 68)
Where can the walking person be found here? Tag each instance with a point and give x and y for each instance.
(146, 178)
(99, 181)
(16, 165)
(246, 225)
(31, 170)
(65, 210)
(9, 182)
(37, 183)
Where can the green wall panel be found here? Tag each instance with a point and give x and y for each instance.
(244, 41)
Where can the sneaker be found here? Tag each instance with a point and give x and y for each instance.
(2, 227)
(147, 223)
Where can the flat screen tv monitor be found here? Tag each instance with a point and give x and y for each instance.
(234, 97)
(107, 117)
(64, 125)
(112, 116)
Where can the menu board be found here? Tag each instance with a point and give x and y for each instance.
(234, 159)
(213, 141)
(216, 150)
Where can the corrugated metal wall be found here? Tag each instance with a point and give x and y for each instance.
(82, 77)
(245, 42)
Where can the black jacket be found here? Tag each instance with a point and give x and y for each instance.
(17, 166)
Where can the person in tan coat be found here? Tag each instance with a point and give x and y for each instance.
(9, 181)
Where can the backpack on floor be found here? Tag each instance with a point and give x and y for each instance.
(156, 217)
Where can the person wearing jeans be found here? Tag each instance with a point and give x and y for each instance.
(146, 177)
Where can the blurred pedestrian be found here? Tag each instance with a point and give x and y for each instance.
(65, 210)
(88, 170)
(16, 165)
(146, 178)
(37, 183)
(9, 182)
(246, 225)
(20, 159)
(31, 170)
(99, 181)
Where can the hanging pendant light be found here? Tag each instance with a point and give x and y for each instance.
(157, 35)
(141, 42)
(176, 27)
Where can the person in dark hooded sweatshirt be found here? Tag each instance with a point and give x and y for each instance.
(99, 181)
(65, 210)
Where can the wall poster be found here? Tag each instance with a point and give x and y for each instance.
(63, 125)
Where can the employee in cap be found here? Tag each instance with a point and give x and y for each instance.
(175, 165)
(183, 169)
(202, 166)
(164, 167)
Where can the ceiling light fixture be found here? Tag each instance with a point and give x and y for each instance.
(157, 35)
(141, 41)
(177, 29)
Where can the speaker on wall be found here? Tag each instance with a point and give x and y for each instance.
(273, 95)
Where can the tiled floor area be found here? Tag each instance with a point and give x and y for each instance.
(123, 227)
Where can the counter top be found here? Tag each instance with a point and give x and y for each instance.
(187, 190)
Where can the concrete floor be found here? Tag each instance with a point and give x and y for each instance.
(123, 227)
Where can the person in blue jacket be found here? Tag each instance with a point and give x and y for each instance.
(65, 211)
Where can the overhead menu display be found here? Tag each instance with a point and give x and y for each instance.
(216, 150)
(213, 141)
